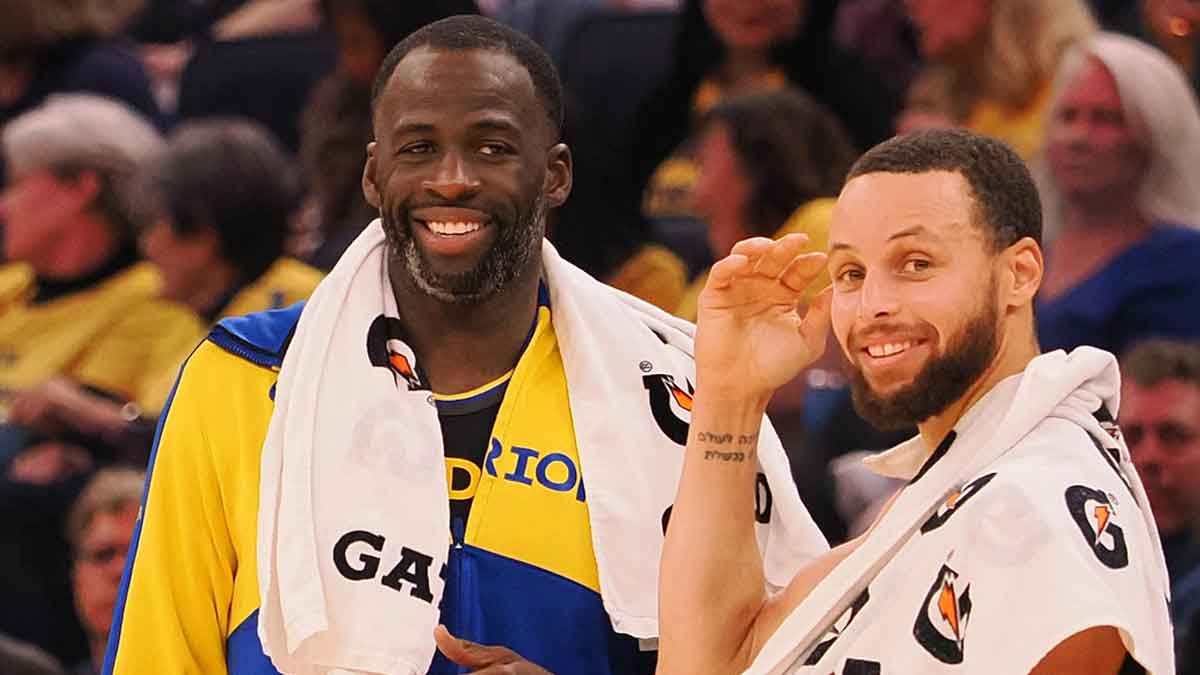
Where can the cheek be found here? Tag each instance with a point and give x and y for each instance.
(1188, 461)
(842, 312)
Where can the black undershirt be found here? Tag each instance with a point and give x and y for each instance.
(466, 432)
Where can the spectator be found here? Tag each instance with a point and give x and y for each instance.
(219, 197)
(1160, 418)
(261, 60)
(770, 164)
(608, 237)
(100, 526)
(336, 121)
(1122, 195)
(551, 23)
(78, 304)
(741, 46)
(223, 193)
(991, 63)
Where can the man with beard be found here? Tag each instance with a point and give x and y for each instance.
(1022, 540)
(458, 434)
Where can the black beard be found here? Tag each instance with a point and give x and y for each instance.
(517, 243)
(944, 379)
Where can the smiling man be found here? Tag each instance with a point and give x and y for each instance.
(427, 448)
(1023, 540)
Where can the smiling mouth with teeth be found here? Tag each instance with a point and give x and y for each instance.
(889, 349)
(450, 229)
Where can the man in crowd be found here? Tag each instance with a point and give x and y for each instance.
(441, 445)
(1023, 540)
(99, 529)
(1160, 418)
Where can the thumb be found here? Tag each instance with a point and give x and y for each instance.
(814, 327)
(466, 653)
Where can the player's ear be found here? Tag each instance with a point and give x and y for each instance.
(559, 175)
(1023, 267)
(370, 189)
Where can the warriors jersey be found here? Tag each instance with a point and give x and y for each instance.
(521, 573)
(1044, 543)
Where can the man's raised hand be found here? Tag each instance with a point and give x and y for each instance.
(751, 338)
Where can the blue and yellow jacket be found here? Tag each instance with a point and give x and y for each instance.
(522, 575)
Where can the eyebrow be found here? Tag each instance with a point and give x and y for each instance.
(489, 123)
(401, 128)
(496, 123)
(914, 231)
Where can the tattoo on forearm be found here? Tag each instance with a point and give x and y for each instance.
(744, 441)
(725, 456)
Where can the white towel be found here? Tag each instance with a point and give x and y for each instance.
(351, 447)
(1072, 387)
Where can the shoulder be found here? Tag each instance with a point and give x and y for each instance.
(1168, 250)
(811, 218)
(1056, 499)
(260, 338)
(15, 280)
(1058, 468)
(111, 68)
(292, 276)
(655, 274)
(1051, 533)
(1169, 233)
(285, 282)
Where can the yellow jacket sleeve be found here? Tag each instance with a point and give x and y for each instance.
(190, 579)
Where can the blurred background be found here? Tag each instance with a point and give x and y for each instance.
(168, 163)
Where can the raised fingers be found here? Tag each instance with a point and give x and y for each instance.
(802, 269)
(776, 257)
(724, 271)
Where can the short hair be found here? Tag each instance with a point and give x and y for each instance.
(230, 175)
(1006, 203)
(71, 133)
(793, 149)
(1153, 360)
(467, 32)
(108, 490)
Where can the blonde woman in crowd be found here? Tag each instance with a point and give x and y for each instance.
(1121, 192)
(990, 64)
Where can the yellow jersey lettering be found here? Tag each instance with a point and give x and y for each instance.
(463, 467)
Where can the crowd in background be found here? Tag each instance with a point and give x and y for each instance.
(168, 164)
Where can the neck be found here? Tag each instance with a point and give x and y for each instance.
(1012, 358)
(744, 65)
(1112, 218)
(90, 245)
(211, 288)
(462, 347)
